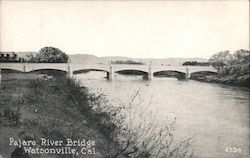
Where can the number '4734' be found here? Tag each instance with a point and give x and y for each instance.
(233, 149)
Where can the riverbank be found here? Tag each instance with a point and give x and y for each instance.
(60, 108)
(242, 81)
(55, 109)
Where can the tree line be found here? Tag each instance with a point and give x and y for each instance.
(196, 63)
(10, 57)
(233, 65)
(127, 62)
(45, 55)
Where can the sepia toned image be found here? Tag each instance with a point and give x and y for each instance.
(124, 79)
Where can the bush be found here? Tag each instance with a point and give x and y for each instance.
(10, 108)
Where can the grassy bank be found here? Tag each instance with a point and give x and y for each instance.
(59, 108)
(56, 109)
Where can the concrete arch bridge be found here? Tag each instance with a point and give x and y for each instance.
(148, 70)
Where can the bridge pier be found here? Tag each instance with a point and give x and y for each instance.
(150, 73)
(69, 72)
(110, 73)
(187, 73)
(24, 67)
(0, 76)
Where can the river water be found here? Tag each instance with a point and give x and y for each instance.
(218, 115)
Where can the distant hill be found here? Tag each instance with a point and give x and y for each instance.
(92, 59)
(83, 58)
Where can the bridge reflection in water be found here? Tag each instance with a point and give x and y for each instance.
(148, 71)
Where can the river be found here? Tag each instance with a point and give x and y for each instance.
(218, 115)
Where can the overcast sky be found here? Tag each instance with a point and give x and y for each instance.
(158, 29)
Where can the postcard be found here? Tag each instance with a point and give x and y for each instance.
(124, 79)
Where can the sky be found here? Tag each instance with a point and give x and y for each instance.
(139, 29)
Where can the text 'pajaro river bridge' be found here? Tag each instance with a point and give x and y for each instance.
(147, 70)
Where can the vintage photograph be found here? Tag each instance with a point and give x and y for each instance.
(124, 79)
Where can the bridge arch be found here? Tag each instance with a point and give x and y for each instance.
(170, 73)
(204, 72)
(50, 72)
(11, 70)
(144, 74)
(139, 72)
(143, 68)
(86, 70)
(198, 74)
(46, 69)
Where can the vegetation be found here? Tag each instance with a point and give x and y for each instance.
(48, 55)
(127, 62)
(10, 58)
(45, 55)
(227, 64)
(195, 63)
(60, 107)
(221, 59)
(233, 69)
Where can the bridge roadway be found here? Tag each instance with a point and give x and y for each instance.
(72, 69)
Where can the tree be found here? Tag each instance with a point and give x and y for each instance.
(234, 67)
(241, 55)
(220, 59)
(7, 58)
(31, 58)
(240, 64)
(14, 57)
(1, 57)
(49, 55)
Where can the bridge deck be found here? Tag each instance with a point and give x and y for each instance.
(110, 69)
